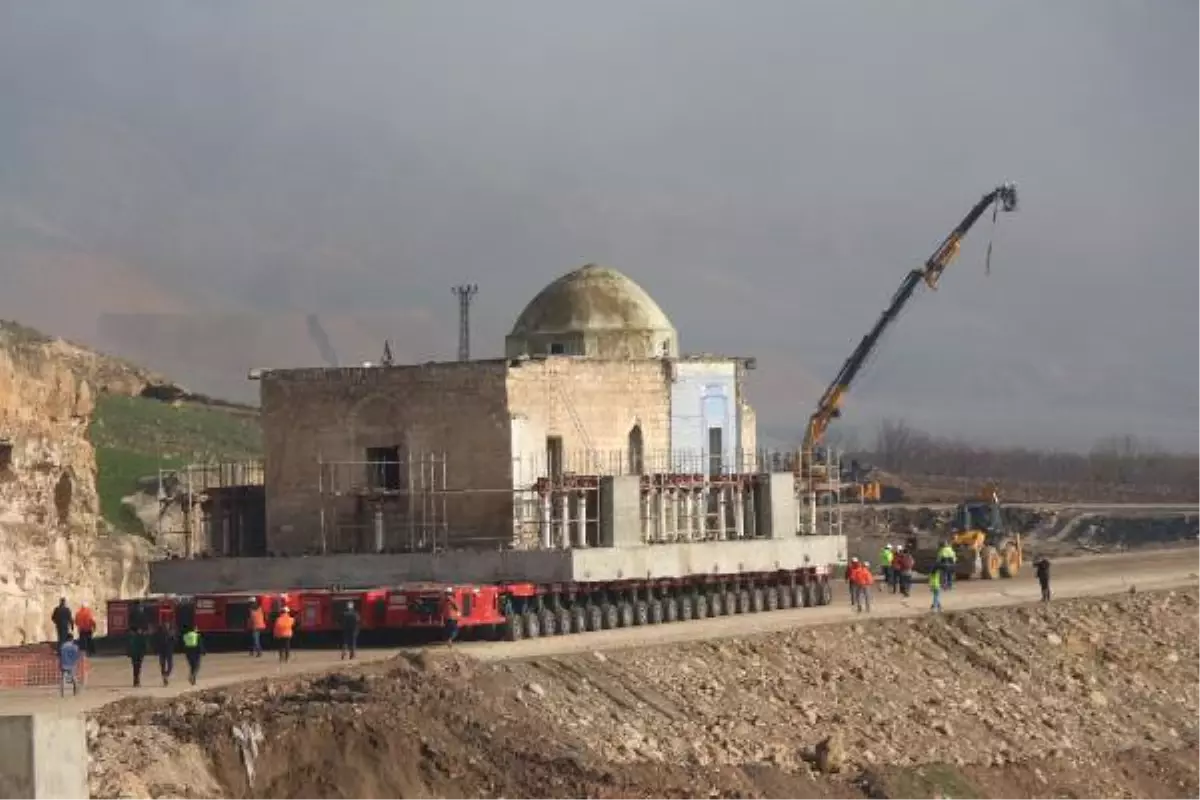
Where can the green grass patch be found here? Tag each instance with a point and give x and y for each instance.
(135, 436)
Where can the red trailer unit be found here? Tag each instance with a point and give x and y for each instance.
(320, 610)
(124, 615)
(229, 612)
(419, 606)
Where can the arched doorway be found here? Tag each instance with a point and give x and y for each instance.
(636, 457)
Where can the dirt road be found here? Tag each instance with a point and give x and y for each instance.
(1072, 578)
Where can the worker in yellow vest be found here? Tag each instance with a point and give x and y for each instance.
(946, 560)
(886, 557)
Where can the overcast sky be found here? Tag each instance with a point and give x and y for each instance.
(768, 171)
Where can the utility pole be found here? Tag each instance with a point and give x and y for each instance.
(464, 293)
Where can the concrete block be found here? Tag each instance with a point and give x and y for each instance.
(776, 505)
(537, 566)
(621, 511)
(43, 755)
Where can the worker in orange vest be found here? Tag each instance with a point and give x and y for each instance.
(449, 609)
(85, 623)
(257, 624)
(284, 624)
(861, 580)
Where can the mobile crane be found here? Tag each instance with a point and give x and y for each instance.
(810, 475)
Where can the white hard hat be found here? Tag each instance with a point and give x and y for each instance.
(887, 547)
(866, 563)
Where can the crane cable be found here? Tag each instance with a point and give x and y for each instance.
(987, 262)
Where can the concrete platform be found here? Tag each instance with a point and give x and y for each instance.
(552, 566)
(43, 755)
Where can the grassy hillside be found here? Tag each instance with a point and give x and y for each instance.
(135, 436)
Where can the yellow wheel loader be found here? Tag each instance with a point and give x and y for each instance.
(983, 547)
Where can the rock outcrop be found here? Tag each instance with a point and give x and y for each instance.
(52, 540)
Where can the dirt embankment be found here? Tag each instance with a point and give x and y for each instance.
(1046, 532)
(1085, 698)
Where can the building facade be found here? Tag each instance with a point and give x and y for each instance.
(405, 457)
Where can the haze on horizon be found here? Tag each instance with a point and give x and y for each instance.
(767, 171)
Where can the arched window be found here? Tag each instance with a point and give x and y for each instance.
(636, 462)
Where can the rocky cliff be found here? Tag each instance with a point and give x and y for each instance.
(52, 540)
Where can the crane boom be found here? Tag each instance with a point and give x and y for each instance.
(829, 408)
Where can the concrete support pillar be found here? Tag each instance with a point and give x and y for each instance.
(581, 521)
(751, 515)
(562, 535)
(379, 532)
(721, 491)
(777, 505)
(547, 516)
(43, 755)
(739, 511)
(620, 498)
(662, 513)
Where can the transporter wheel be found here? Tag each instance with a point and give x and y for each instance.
(797, 590)
(670, 609)
(826, 592)
(703, 607)
(785, 596)
(548, 621)
(656, 611)
(595, 618)
(625, 614)
(717, 602)
(730, 603)
(533, 626)
(513, 629)
(686, 608)
(756, 600)
(743, 601)
(563, 618)
(771, 597)
(641, 613)
(807, 595)
(579, 622)
(612, 617)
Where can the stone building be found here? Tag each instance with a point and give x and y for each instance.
(383, 457)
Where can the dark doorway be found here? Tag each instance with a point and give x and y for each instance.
(554, 456)
(636, 457)
(715, 451)
(383, 468)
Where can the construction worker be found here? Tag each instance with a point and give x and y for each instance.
(850, 568)
(886, 557)
(164, 644)
(862, 581)
(63, 621)
(351, 622)
(450, 616)
(193, 651)
(257, 623)
(85, 623)
(935, 587)
(1042, 568)
(68, 666)
(285, 623)
(946, 560)
(903, 567)
(136, 649)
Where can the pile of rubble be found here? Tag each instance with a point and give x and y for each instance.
(1084, 697)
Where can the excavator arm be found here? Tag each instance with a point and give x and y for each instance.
(1003, 197)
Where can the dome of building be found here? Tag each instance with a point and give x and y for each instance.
(593, 311)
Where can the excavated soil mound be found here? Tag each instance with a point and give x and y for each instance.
(1089, 698)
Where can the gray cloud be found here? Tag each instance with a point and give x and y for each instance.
(767, 171)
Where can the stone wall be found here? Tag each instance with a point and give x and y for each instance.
(52, 541)
(310, 416)
(592, 405)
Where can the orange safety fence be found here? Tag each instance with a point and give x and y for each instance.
(35, 665)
